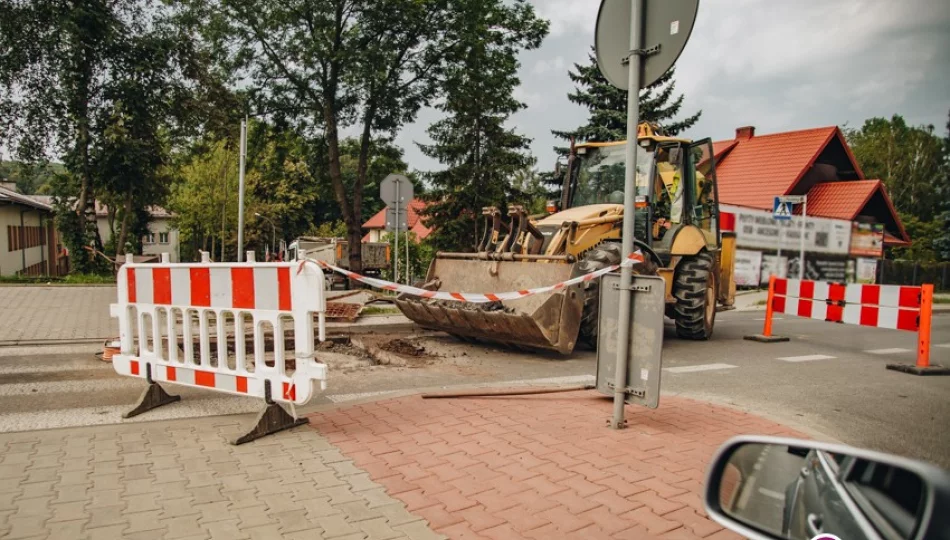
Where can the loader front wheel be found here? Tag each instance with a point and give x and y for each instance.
(694, 289)
(604, 255)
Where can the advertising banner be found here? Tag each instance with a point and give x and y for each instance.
(772, 264)
(867, 239)
(748, 268)
(866, 271)
(757, 229)
(820, 268)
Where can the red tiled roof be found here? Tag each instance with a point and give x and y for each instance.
(841, 200)
(892, 241)
(721, 147)
(378, 221)
(759, 168)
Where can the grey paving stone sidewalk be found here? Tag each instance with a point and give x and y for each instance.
(183, 480)
(56, 313)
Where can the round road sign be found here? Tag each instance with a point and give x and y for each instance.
(667, 24)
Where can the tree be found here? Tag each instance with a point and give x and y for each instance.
(383, 158)
(53, 64)
(97, 83)
(909, 160)
(941, 243)
(480, 153)
(281, 180)
(205, 197)
(325, 65)
(30, 178)
(608, 105)
(528, 186)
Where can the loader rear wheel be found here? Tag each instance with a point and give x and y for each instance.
(694, 289)
(604, 255)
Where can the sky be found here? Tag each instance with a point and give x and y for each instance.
(778, 65)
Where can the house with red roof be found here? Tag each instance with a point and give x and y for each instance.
(845, 210)
(376, 225)
(752, 170)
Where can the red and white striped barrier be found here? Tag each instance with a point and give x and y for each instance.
(893, 307)
(476, 298)
(166, 333)
(882, 306)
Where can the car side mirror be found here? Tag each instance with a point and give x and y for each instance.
(790, 489)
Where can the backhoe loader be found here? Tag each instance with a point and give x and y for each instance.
(677, 228)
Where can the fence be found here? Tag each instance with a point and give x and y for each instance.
(224, 327)
(880, 306)
(914, 273)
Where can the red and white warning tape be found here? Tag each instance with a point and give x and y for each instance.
(635, 258)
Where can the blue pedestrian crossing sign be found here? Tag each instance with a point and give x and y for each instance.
(782, 209)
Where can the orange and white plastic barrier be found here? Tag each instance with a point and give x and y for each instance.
(892, 307)
(166, 333)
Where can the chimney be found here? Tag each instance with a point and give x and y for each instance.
(745, 133)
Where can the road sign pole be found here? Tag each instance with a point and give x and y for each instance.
(396, 264)
(629, 198)
(801, 255)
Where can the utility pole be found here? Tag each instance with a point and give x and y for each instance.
(240, 238)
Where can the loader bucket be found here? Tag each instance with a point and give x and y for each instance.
(548, 321)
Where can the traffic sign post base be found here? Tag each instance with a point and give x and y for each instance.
(766, 339)
(932, 369)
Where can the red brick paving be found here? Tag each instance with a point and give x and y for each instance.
(543, 466)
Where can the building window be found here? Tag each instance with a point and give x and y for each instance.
(148, 238)
(25, 237)
(163, 238)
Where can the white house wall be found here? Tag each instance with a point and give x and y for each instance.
(11, 262)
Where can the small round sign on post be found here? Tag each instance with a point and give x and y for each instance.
(396, 190)
(667, 25)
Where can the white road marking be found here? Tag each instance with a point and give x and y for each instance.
(773, 494)
(701, 367)
(773, 318)
(61, 387)
(806, 358)
(93, 416)
(943, 345)
(895, 350)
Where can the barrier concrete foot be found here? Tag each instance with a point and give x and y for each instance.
(917, 370)
(766, 339)
(271, 420)
(153, 397)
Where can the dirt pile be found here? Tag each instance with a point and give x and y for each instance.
(403, 347)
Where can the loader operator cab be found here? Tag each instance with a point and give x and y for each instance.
(672, 187)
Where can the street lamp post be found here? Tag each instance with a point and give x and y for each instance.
(273, 229)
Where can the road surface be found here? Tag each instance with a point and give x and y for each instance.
(829, 379)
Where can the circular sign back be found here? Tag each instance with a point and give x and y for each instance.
(666, 23)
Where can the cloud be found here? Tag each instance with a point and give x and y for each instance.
(569, 16)
(543, 66)
(777, 65)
